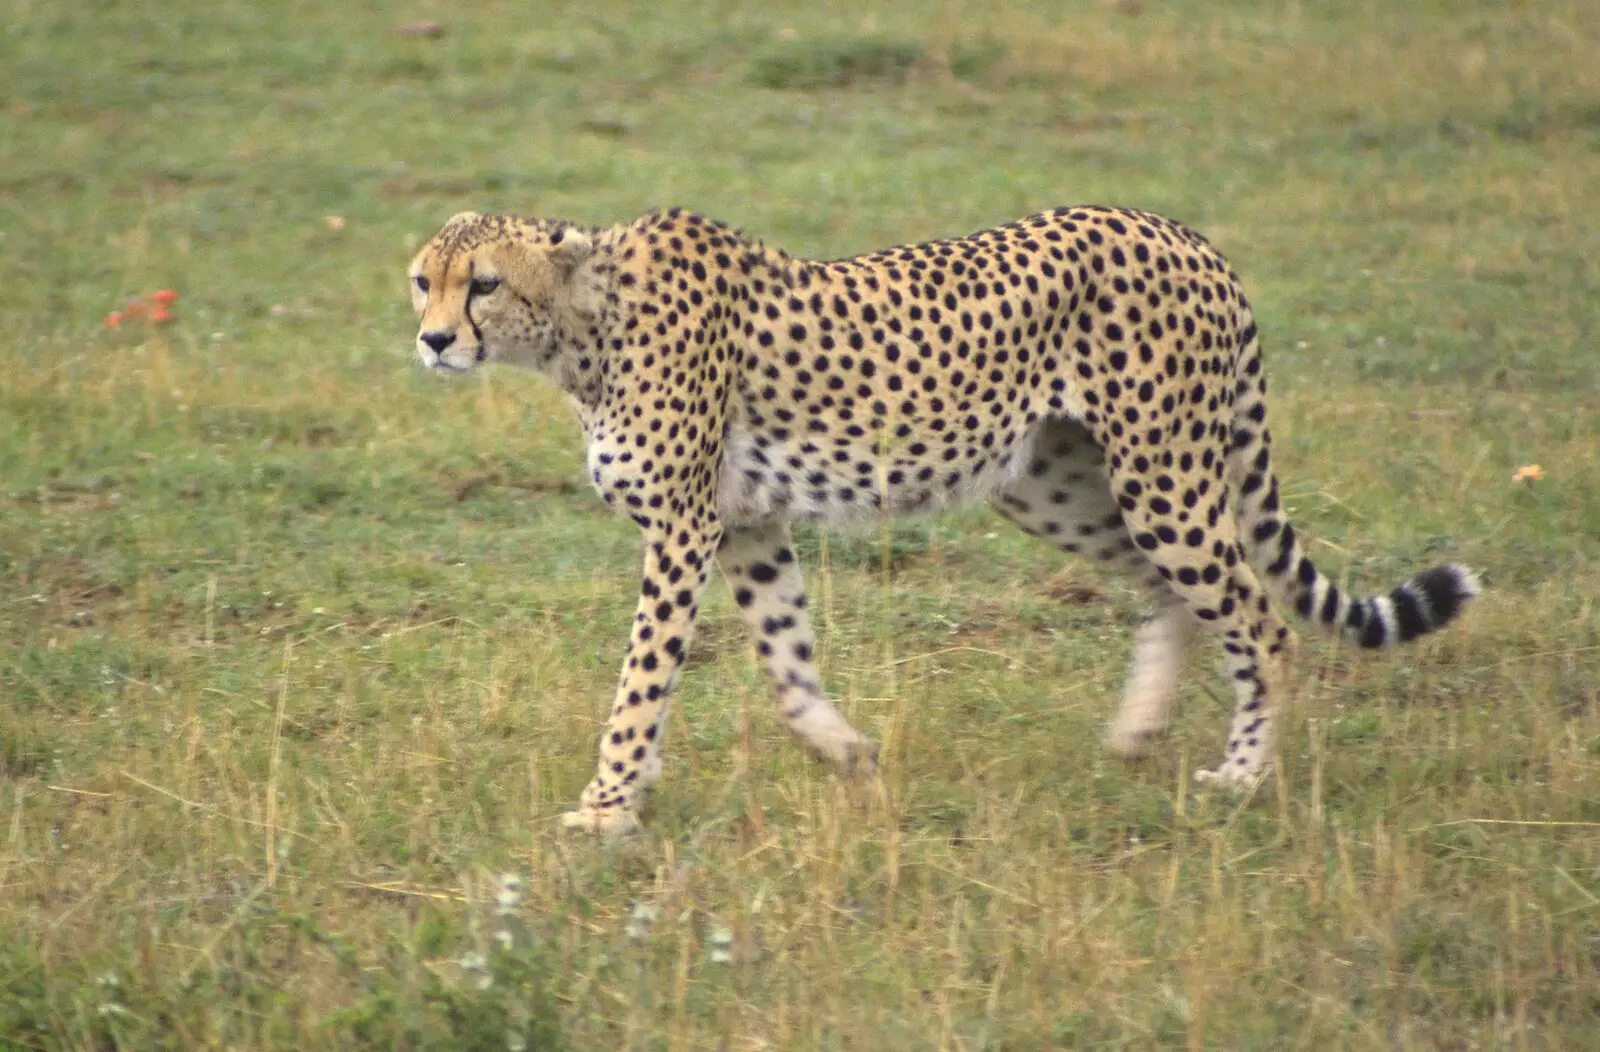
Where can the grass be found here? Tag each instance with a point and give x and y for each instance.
(300, 650)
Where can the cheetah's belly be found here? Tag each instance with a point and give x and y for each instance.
(818, 476)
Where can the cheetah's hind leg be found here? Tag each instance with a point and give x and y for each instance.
(1202, 565)
(1064, 497)
(1158, 650)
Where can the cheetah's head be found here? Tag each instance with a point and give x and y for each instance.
(496, 288)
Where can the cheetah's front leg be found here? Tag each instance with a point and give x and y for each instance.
(675, 569)
(762, 570)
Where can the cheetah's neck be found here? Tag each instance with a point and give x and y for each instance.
(585, 319)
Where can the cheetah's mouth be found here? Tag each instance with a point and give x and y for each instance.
(438, 363)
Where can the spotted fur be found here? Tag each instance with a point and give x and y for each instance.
(1094, 372)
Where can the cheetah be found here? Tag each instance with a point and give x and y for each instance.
(1095, 373)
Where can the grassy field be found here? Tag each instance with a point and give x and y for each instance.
(302, 652)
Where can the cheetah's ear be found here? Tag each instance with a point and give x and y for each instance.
(569, 247)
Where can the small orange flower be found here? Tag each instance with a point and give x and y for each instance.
(113, 319)
(159, 314)
(1528, 473)
(164, 297)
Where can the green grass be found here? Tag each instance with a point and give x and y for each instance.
(300, 650)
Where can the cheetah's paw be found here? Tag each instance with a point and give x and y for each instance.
(609, 822)
(857, 760)
(1133, 743)
(1236, 778)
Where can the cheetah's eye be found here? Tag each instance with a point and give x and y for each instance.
(422, 283)
(484, 286)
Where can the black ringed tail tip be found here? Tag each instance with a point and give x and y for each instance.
(1428, 601)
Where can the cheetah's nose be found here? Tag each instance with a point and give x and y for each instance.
(438, 340)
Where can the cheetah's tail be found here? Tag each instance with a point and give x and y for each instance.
(1426, 602)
